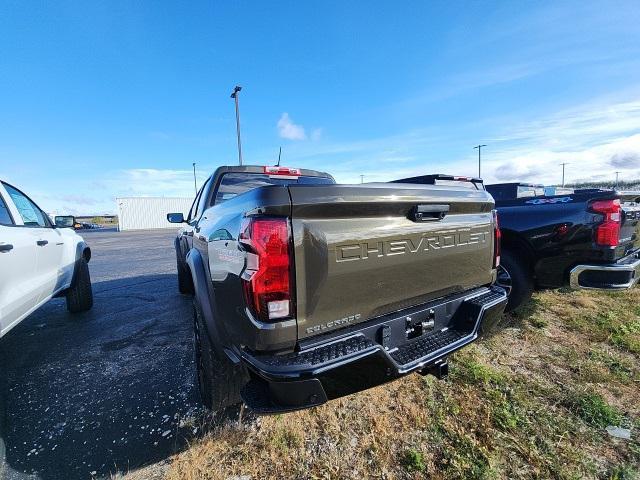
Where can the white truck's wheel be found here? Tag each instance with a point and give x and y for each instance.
(80, 295)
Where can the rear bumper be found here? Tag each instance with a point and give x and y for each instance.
(621, 275)
(370, 354)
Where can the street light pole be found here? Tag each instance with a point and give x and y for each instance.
(195, 186)
(563, 164)
(479, 147)
(617, 179)
(234, 95)
(361, 178)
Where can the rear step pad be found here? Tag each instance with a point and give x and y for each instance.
(321, 355)
(426, 345)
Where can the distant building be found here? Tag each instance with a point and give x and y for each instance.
(144, 213)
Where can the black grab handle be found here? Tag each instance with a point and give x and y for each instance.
(428, 213)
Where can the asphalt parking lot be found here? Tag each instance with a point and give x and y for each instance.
(111, 389)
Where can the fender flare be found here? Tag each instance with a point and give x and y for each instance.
(82, 251)
(203, 295)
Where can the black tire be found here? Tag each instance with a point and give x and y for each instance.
(514, 276)
(80, 295)
(185, 282)
(219, 380)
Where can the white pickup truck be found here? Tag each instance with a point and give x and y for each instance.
(38, 261)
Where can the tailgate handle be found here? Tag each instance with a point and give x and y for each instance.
(428, 213)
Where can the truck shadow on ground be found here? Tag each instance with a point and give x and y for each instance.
(105, 391)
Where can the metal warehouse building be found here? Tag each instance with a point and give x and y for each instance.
(142, 213)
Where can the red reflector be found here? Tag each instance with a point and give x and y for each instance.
(286, 171)
(497, 239)
(608, 232)
(267, 283)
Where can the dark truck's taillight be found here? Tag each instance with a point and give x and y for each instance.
(267, 278)
(608, 232)
(497, 238)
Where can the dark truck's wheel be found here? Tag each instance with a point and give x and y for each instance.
(219, 380)
(514, 277)
(185, 283)
(80, 295)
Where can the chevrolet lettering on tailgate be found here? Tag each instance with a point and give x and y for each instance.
(425, 243)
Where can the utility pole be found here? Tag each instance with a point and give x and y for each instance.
(361, 178)
(479, 147)
(617, 179)
(234, 95)
(195, 186)
(563, 164)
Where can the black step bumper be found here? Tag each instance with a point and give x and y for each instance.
(623, 274)
(370, 354)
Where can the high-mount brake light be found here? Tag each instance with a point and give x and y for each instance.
(267, 278)
(497, 239)
(608, 232)
(284, 171)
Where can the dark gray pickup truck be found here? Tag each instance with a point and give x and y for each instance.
(305, 290)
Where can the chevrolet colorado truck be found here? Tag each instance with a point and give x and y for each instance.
(584, 238)
(38, 261)
(306, 291)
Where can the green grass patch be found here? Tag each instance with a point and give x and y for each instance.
(592, 408)
(620, 368)
(624, 472)
(468, 370)
(413, 461)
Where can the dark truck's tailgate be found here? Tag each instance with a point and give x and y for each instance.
(358, 254)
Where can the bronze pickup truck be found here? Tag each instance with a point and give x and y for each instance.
(305, 290)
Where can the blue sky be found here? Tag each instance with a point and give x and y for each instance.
(107, 99)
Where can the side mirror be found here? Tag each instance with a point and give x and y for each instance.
(175, 217)
(64, 221)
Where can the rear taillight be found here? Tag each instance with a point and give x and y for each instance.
(267, 278)
(497, 238)
(608, 232)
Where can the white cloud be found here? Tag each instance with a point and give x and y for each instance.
(152, 182)
(289, 130)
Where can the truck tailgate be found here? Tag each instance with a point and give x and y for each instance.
(360, 252)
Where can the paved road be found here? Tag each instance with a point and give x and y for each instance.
(111, 389)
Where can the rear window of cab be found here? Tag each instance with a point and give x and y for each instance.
(234, 184)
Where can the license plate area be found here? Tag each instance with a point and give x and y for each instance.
(418, 324)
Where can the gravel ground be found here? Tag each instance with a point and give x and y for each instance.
(110, 390)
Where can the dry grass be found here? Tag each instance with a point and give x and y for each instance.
(532, 402)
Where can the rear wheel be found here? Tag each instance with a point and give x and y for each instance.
(80, 295)
(514, 277)
(219, 380)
